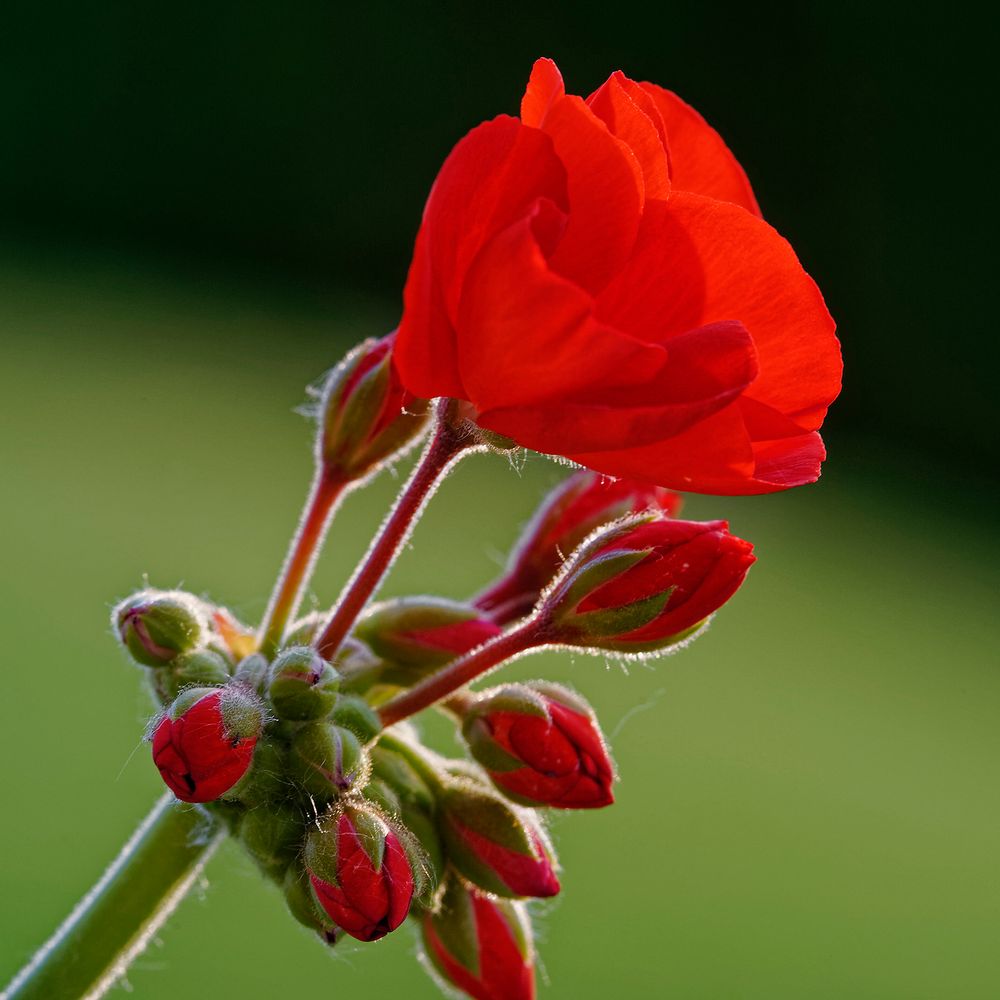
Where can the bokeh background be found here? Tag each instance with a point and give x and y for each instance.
(203, 205)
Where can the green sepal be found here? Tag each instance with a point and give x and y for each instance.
(327, 761)
(399, 773)
(354, 713)
(303, 906)
(302, 686)
(199, 668)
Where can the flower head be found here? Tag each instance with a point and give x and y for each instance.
(594, 278)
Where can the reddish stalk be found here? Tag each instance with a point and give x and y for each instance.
(447, 444)
(528, 635)
(325, 495)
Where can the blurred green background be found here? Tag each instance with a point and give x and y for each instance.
(202, 206)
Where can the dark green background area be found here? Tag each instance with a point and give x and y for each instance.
(202, 206)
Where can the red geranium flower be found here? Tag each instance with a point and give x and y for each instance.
(596, 280)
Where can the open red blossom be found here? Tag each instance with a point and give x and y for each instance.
(575, 508)
(361, 874)
(596, 280)
(199, 755)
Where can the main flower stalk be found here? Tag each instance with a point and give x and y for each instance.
(117, 919)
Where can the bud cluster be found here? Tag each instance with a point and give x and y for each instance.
(297, 749)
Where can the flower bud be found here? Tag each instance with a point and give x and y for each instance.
(156, 625)
(273, 835)
(480, 945)
(199, 668)
(645, 584)
(363, 871)
(366, 416)
(328, 760)
(494, 845)
(399, 773)
(416, 635)
(205, 742)
(574, 509)
(353, 712)
(541, 745)
(303, 685)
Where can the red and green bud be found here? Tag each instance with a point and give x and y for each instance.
(416, 635)
(364, 871)
(155, 626)
(366, 416)
(303, 686)
(495, 845)
(645, 584)
(542, 745)
(204, 744)
(566, 517)
(328, 760)
(481, 946)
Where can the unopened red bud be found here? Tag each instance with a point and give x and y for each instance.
(303, 686)
(157, 625)
(205, 742)
(577, 507)
(363, 871)
(328, 760)
(366, 416)
(645, 584)
(495, 845)
(416, 635)
(542, 745)
(480, 945)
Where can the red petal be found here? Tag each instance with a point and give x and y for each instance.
(605, 194)
(545, 86)
(492, 177)
(724, 264)
(700, 161)
(398, 876)
(632, 116)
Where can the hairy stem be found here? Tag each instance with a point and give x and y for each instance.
(447, 444)
(462, 671)
(113, 923)
(325, 495)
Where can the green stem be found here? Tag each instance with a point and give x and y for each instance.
(118, 917)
